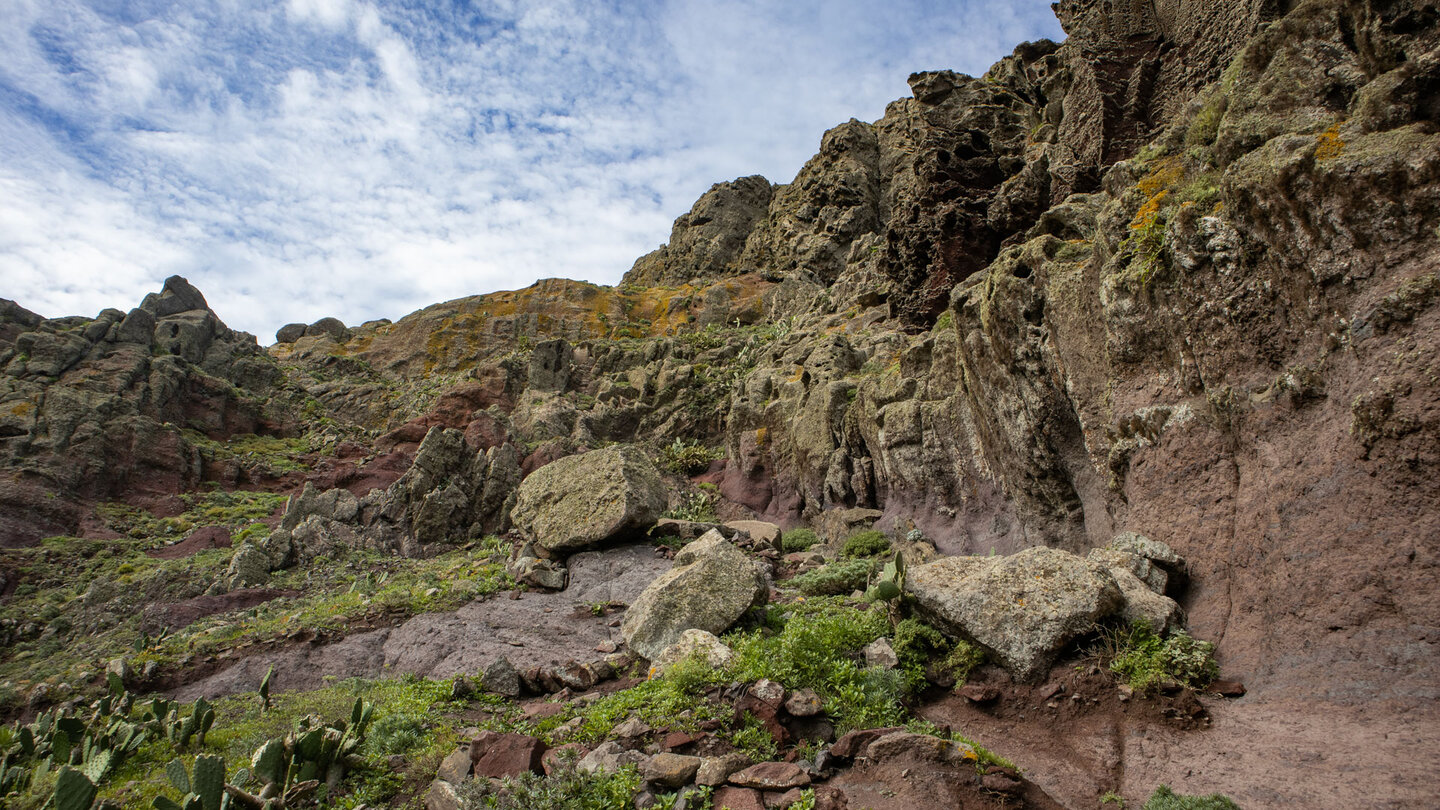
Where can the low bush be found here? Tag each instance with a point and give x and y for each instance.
(1145, 660)
(798, 540)
(836, 579)
(868, 543)
(818, 647)
(917, 644)
(688, 457)
(1165, 799)
(697, 507)
(566, 789)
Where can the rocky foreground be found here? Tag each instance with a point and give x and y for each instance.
(1068, 432)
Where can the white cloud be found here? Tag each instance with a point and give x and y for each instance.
(362, 159)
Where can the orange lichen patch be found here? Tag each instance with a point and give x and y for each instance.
(461, 334)
(1146, 215)
(23, 409)
(1168, 173)
(1330, 145)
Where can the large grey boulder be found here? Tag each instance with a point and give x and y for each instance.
(1023, 608)
(581, 501)
(711, 586)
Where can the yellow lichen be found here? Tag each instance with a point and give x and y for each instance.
(1146, 216)
(1330, 145)
(762, 436)
(1167, 173)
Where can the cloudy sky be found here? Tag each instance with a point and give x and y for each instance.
(364, 158)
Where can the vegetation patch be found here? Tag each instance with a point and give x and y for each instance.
(1145, 660)
(798, 540)
(688, 457)
(567, 789)
(868, 543)
(1165, 799)
(835, 579)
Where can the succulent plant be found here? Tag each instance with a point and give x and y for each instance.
(891, 582)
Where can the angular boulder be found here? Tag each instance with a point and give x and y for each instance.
(581, 501)
(1023, 608)
(693, 642)
(712, 584)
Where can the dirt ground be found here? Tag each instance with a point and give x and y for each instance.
(1259, 751)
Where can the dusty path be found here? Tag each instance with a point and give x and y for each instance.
(536, 629)
(1263, 753)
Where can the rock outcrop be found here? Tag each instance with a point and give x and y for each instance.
(98, 407)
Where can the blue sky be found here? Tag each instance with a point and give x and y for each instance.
(364, 158)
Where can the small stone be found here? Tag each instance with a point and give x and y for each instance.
(455, 768)
(694, 642)
(771, 776)
(715, 770)
(767, 690)
(501, 678)
(500, 755)
(608, 757)
(737, 798)
(632, 727)
(879, 653)
(442, 796)
(803, 703)
(978, 693)
(677, 739)
(669, 770)
(1233, 689)
(782, 801)
(606, 646)
(853, 743)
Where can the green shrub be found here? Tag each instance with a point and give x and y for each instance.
(817, 648)
(798, 540)
(684, 457)
(917, 644)
(396, 734)
(836, 579)
(698, 507)
(566, 789)
(868, 543)
(1165, 799)
(1145, 660)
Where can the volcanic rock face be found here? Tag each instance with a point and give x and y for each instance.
(95, 407)
(1175, 276)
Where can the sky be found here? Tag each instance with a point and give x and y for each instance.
(296, 159)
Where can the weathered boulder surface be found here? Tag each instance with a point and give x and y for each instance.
(582, 501)
(710, 587)
(1023, 608)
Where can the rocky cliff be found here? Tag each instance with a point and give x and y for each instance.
(1176, 275)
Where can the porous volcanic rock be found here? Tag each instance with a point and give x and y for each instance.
(1023, 608)
(581, 501)
(711, 586)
